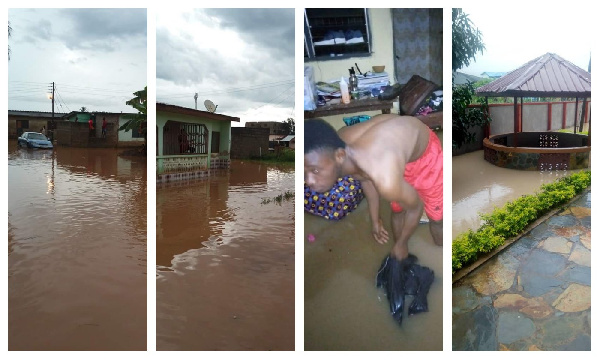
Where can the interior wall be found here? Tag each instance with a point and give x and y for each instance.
(380, 25)
(418, 44)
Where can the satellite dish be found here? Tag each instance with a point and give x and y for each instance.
(210, 106)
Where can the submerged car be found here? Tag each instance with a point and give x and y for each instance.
(34, 140)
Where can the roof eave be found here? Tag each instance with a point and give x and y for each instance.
(513, 93)
(194, 112)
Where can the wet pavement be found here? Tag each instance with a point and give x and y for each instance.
(343, 308)
(535, 294)
(225, 261)
(76, 250)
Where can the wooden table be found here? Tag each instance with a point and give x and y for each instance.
(355, 106)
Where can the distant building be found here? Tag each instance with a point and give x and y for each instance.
(275, 127)
(72, 129)
(22, 121)
(79, 120)
(288, 141)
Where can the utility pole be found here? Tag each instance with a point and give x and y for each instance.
(52, 121)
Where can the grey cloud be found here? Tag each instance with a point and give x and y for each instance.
(34, 32)
(270, 28)
(188, 67)
(104, 29)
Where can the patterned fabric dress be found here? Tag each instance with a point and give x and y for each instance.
(336, 203)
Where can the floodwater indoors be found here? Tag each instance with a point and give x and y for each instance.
(343, 309)
(225, 261)
(76, 250)
(478, 187)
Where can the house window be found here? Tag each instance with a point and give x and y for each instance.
(184, 138)
(137, 133)
(215, 142)
(331, 34)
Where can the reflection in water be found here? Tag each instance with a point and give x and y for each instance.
(478, 187)
(225, 263)
(343, 309)
(77, 250)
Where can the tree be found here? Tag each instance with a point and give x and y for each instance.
(83, 109)
(464, 119)
(466, 43)
(137, 121)
(289, 126)
(466, 40)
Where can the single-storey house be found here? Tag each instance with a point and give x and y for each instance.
(288, 141)
(190, 143)
(22, 121)
(74, 130)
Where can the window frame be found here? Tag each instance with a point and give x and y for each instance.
(309, 47)
(196, 134)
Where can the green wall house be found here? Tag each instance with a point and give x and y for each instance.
(190, 143)
(77, 130)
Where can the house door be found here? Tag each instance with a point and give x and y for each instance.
(22, 126)
(215, 142)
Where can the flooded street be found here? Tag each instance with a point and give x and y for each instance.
(225, 261)
(343, 308)
(478, 186)
(76, 250)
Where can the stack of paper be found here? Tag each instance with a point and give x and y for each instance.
(373, 80)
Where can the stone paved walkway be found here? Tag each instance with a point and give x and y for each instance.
(534, 295)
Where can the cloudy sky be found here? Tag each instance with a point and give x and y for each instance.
(240, 59)
(96, 58)
(516, 35)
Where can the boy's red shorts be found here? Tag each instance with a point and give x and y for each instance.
(426, 176)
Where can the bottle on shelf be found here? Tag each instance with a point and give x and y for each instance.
(344, 91)
(353, 83)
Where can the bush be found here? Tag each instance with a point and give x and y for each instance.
(514, 217)
(284, 155)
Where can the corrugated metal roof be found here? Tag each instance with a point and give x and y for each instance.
(34, 113)
(193, 112)
(288, 138)
(546, 76)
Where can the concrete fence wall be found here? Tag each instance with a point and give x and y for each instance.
(535, 116)
(248, 142)
(77, 134)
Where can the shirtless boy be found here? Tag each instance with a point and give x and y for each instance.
(397, 158)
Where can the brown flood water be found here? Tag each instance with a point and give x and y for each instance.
(225, 262)
(478, 187)
(76, 250)
(343, 309)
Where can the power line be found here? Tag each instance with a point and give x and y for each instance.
(21, 85)
(230, 90)
(270, 101)
(61, 99)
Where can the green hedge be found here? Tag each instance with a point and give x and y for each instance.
(510, 220)
(285, 155)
